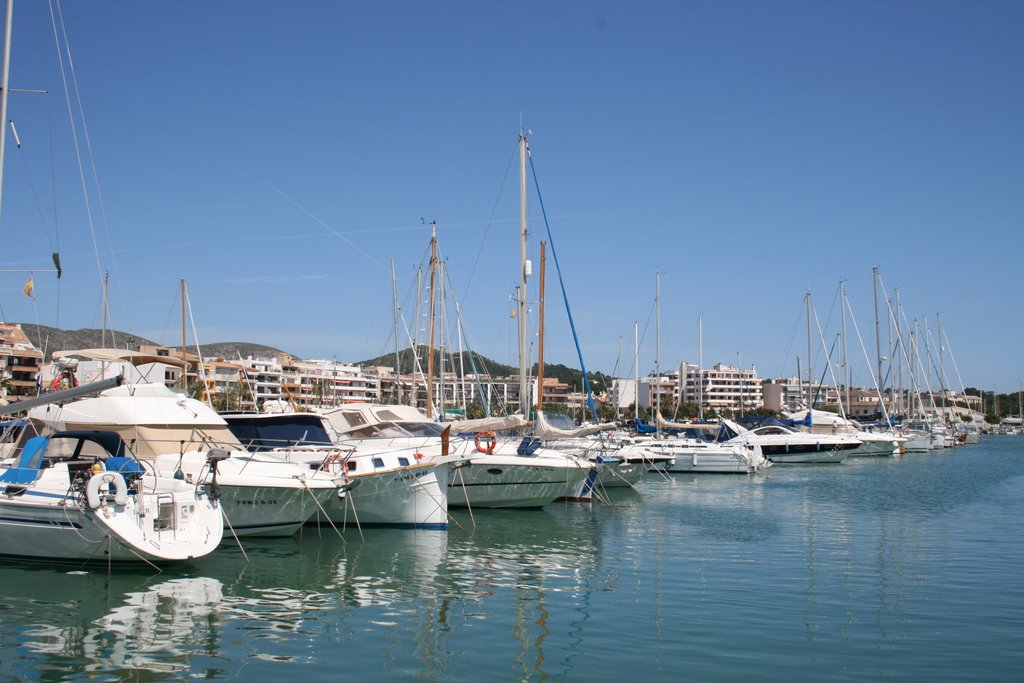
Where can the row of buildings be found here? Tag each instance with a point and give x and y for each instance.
(263, 383)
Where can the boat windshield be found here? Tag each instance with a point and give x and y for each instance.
(393, 430)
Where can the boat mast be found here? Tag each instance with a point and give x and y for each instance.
(394, 320)
(430, 315)
(878, 329)
(700, 368)
(184, 348)
(636, 371)
(414, 393)
(657, 354)
(462, 358)
(846, 360)
(524, 267)
(810, 357)
(103, 332)
(942, 368)
(5, 87)
(540, 330)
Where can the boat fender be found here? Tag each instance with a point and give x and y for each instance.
(105, 479)
(485, 442)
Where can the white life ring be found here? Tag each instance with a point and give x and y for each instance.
(104, 479)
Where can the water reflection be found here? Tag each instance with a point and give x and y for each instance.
(89, 622)
(814, 571)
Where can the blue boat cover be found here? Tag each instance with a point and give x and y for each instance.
(27, 470)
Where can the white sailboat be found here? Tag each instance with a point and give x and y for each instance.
(518, 472)
(81, 497)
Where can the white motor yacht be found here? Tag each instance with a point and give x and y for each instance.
(488, 471)
(260, 494)
(785, 445)
(880, 443)
(390, 483)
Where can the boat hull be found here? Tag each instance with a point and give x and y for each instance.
(515, 482)
(412, 497)
(154, 528)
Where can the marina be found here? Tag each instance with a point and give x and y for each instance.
(838, 503)
(901, 569)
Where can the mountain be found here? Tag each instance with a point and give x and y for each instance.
(599, 382)
(51, 339)
(230, 351)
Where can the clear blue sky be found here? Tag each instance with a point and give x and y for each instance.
(279, 155)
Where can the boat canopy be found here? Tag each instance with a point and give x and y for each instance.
(112, 355)
(545, 430)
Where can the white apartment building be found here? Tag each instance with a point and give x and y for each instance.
(722, 387)
(263, 375)
(313, 384)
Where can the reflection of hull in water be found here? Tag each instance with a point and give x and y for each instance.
(877, 445)
(154, 628)
(780, 456)
(623, 473)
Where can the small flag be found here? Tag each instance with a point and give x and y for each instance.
(30, 289)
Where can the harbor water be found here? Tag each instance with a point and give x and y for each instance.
(896, 569)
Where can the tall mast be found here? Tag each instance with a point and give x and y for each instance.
(636, 370)
(184, 349)
(540, 330)
(5, 86)
(394, 319)
(942, 367)
(430, 350)
(810, 357)
(878, 330)
(414, 393)
(103, 332)
(657, 353)
(524, 266)
(846, 360)
(462, 358)
(700, 368)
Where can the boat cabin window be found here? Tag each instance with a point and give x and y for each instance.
(378, 462)
(422, 428)
(354, 419)
(350, 466)
(772, 430)
(403, 461)
(65, 448)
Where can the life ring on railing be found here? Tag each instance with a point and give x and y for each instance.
(332, 459)
(106, 479)
(485, 442)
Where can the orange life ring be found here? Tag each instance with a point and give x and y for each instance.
(489, 442)
(331, 459)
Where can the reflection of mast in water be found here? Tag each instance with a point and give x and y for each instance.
(525, 604)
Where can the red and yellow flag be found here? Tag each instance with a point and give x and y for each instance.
(30, 289)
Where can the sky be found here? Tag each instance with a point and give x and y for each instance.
(280, 157)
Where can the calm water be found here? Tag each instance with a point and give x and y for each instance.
(904, 569)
